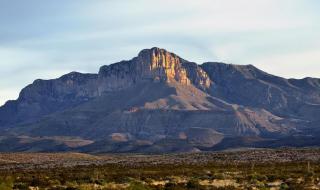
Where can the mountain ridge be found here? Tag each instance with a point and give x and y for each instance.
(156, 99)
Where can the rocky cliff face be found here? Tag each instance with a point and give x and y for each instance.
(158, 97)
(160, 65)
(156, 65)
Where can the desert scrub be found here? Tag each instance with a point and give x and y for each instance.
(6, 183)
(136, 185)
(194, 184)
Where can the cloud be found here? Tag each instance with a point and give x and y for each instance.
(45, 39)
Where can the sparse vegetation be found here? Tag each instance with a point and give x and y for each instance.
(159, 172)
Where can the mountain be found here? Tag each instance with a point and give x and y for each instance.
(158, 102)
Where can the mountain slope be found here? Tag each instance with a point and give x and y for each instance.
(159, 102)
(249, 86)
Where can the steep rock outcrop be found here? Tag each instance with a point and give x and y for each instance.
(156, 65)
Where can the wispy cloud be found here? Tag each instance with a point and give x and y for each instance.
(44, 39)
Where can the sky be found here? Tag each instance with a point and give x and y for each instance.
(46, 39)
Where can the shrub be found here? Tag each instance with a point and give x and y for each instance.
(135, 185)
(193, 184)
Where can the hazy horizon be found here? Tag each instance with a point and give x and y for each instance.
(46, 39)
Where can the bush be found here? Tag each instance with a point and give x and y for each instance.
(135, 185)
(193, 184)
(21, 186)
(284, 186)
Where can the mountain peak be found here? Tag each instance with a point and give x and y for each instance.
(159, 64)
(157, 58)
(155, 64)
(155, 51)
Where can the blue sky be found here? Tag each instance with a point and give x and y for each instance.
(45, 39)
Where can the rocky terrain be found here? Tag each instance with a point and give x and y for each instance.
(158, 102)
